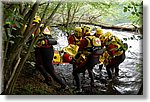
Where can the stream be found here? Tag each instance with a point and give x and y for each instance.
(130, 73)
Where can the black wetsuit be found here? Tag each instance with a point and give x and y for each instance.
(44, 56)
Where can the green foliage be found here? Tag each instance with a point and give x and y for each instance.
(99, 12)
(107, 12)
(135, 10)
(125, 39)
(133, 37)
(12, 16)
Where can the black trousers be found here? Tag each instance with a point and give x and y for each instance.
(115, 62)
(92, 60)
(44, 57)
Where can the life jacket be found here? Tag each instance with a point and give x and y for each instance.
(102, 39)
(114, 46)
(45, 42)
(104, 58)
(93, 44)
(76, 40)
(71, 49)
(81, 61)
(93, 41)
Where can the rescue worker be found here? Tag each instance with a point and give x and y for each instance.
(76, 37)
(89, 46)
(116, 53)
(73, 40)
(44, 53)
(99, 34)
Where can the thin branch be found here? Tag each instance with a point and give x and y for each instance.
(50, 17)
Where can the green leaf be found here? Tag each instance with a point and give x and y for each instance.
(137, 14)
(133, 13)
(17, 24)
(129, 6)
(9, 23)
(125, 39)
(125, 10)
(14, 28)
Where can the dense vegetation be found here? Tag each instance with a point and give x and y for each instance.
(60, 14)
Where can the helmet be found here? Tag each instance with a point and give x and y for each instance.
(108, 35)
(47, 31)
(86, 30)
(78, 31)
(99, 31)
(37, 19)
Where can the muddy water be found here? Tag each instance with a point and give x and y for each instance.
(130, 74)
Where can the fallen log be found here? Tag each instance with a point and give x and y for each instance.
(104, 26)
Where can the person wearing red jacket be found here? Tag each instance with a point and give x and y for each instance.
(88, 46)
(75, 40)
(44, 54)
(116, 53)
(76, 37)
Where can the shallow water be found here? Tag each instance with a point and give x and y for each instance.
(130, 74)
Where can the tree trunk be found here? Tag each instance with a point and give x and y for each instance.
(14, 54)
(104, 26)
(17, 69)
(20, 62)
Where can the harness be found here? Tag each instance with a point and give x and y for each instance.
(93, 43)
(93, 47)
(76, 40)
(117, 50)
(44, 42)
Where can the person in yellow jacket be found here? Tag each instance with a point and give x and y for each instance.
(88, 48)
(74, 41)
(44, 53)
(99, 34)
(76, 37)
(115, 53)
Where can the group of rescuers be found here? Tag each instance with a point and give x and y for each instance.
(94, 49)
